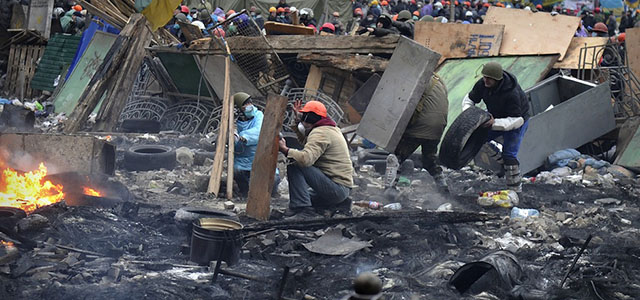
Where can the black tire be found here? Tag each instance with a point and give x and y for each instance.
(12, 212)
(140, 126)
(149, 157)
(464, 138)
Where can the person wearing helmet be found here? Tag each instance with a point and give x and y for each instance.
(509, 109)
(354, 23)
(600, 30)
(375, 9)
(405, 24)
(282, 17)
(248, 125)
(328, 28)
(383, 27)
(306, 17)
(597, 15)
(337, 24)
(426, 127)
(323, 165)
(385, 8)
(272, 14)
(468, 16)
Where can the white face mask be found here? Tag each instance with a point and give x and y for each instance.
(302, 129)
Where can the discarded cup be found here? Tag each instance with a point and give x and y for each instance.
(392, 170)
(393, 206)
(523, 213)
(503, 198)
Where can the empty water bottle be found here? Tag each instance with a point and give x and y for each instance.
(523, 213)
(393, 206)
(368, 204)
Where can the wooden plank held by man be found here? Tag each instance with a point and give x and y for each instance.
(263, 170)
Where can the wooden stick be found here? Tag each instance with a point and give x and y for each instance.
(263, 170)
(218, 159)
(231, 148)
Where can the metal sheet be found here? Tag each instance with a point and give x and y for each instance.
(86, 67)
(361, 98)
(630, 158)
(459, 75)
(570, 124)
(62, 153)
(184, 72)
(212, 67)
(398, 93)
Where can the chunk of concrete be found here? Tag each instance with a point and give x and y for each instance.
(397, 94)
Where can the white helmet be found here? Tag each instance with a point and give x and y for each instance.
(307, 11)
(199, 24)
(292, 9)
(468, 14)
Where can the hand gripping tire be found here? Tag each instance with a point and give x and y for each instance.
(149, 157)
(464, 138)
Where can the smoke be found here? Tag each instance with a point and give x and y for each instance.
(23, 161)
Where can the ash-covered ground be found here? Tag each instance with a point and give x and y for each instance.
(139, 250)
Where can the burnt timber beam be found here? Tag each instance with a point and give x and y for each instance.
(348, 62)
(293, 44)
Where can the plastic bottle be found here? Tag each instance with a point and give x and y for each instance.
(392, 170)
(368, 204)
(503, 198)
(393, 206)
(523, 213)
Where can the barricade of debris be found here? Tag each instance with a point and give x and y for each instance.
(126, 173)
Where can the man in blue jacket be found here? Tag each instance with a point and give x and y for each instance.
(248, 127)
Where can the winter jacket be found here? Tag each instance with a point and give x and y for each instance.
(326, 149)
(67, 21)
(405, 28)
(507, 102)
(380, 32)
(244, 152)
(430, 117)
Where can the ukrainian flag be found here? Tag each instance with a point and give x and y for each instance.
(159, 12)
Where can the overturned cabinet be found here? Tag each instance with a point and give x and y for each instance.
(565, 113)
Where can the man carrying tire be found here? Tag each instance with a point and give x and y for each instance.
(509, 109)
(248, 127)
(321, 175)
(426, 127)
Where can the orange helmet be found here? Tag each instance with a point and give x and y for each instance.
(315, 107)
(395, 17)
(486, 5)
(500, 4)
(622, 37)
(280, 9)
(456, 2)
(231, 12)
(384, 3)
(416, 13)
(77, 7)
(600, 27)
(539, 6)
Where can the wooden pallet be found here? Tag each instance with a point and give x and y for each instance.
(21, 68)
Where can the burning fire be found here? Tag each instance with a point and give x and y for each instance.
(91, 192)
(6, 244)
(29, 190)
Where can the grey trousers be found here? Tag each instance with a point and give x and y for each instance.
(310, 187)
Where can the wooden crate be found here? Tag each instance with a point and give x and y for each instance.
(21, 67)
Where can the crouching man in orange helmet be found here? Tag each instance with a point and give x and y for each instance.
(321, 176)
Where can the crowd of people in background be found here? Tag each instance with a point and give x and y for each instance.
(384, 17)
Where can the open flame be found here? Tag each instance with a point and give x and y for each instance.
(91, 192)
(7, 245)
(28, 191)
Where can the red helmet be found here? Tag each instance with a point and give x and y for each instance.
(184, 9)
(622, 37)
(600, 27)
(539, 6)
(328, 26)
(597, 9)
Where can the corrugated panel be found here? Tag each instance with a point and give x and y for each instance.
(60, 51)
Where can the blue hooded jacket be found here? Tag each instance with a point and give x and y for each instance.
(245, 152)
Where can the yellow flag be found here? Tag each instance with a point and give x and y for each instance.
(159, 12)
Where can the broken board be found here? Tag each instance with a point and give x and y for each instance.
(572, 58)
(526, 32)
(459, 75)
(39, 18)
(275, 28)
(86, 67)
(460, 40)
(266, 159)
(184, 71)
(211, 66)
(398, 93)
(632, 42)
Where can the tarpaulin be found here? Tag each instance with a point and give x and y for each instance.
(631, 3)
(159, 12)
